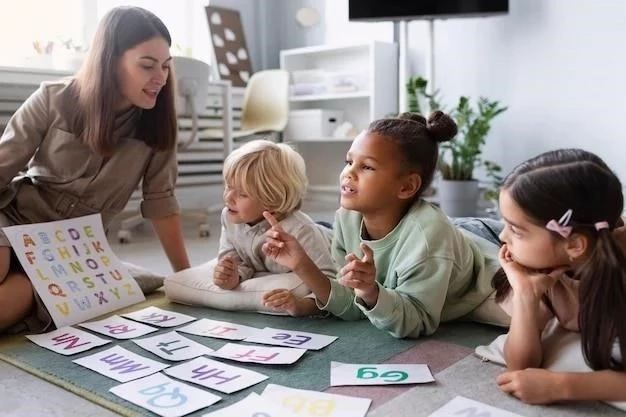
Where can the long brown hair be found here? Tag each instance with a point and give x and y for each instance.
(418, 140)
(95, 91)
(545, 187)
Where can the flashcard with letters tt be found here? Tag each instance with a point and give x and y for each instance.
(73, 269)
(165, 396)
(173, 347)
(67, 340)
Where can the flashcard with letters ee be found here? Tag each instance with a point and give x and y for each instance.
(291, 338)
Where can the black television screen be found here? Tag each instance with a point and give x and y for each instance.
(379, 10)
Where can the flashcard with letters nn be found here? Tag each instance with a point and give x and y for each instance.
(291, 338)
(120, 364)
(218, 329)
(67, 340)
(215, 375)
(159, 317)
(259, 354)
(118, 327)
(165, 396)
(252, 406)
(464, 407)
(73, 269)
(305, 403)
(387, 374)
(173, 347)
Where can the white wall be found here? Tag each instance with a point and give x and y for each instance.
(560, 66)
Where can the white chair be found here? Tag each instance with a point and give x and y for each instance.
(192, 87)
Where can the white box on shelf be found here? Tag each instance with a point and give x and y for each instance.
(310, 124)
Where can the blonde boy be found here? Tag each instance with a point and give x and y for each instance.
(266, 176)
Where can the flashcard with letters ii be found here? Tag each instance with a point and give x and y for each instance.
(73, 269)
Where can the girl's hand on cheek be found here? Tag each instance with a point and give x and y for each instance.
(524, 282)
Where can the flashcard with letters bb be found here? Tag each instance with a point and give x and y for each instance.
(218, 329)
(159, 317)
(120, 364)
(73, 269)
(164, 396)
(306, 403)
(270, 355)
(67, 340)
(173, 347)
(464, 407)
(119, 327)
(252, 406)
(215, 375)
(382, 374)
(291, 338)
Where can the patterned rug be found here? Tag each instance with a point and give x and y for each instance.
(448, 353)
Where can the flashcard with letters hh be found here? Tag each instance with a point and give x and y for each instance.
(159, 317)
(120, 364)
(306, 403)
(173, 347)
(165, 396)
(73, 269)
(291, 338)
(218, 329)
(215, 375)
(67, 340)
(464, 407)
(252, 406)
(387, 374)
(259, 354)
(118, 327)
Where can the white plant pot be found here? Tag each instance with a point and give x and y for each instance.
(458, 198)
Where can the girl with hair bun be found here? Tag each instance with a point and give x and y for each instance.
(402, 264)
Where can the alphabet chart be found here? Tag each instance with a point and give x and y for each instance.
(306, 403)
(173, 347)
(120, 364)
(216, 375)
(464, 407)
(159, 317)
(67, 340)
(73, 269)
(360, 374)
(119, 327)
(259, 354)
(291, 338)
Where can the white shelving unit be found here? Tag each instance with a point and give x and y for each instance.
(373, 67)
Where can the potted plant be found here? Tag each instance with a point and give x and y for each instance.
(458, 189)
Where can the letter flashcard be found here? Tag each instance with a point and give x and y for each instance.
(159, 317)
(464, 407)
(383, 374)
(173, 347)
(67, 340)
(291, 338)
(120, 364)
(119, 327)
(252, 406)
(259, 354)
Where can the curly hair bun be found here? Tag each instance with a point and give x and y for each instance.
(441, 127)
(415, 117)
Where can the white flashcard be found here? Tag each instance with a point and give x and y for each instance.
(173, 347)
(252, 406)
(159, 317)
(464, 407)
(218, 329)
(120, 364)
(307, 403)
(291, 338)
(164, 396)
(67, 340)
(119, 327)
(215, 375)
(73, 269)
(387, 374)
(259, 354)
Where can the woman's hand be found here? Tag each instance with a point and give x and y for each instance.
(282, 247)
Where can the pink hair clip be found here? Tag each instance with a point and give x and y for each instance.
(561, 227)
(601, 225)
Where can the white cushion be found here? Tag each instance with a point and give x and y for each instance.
(194, 286)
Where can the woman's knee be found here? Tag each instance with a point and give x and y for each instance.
(16, 299)
(5, 262)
